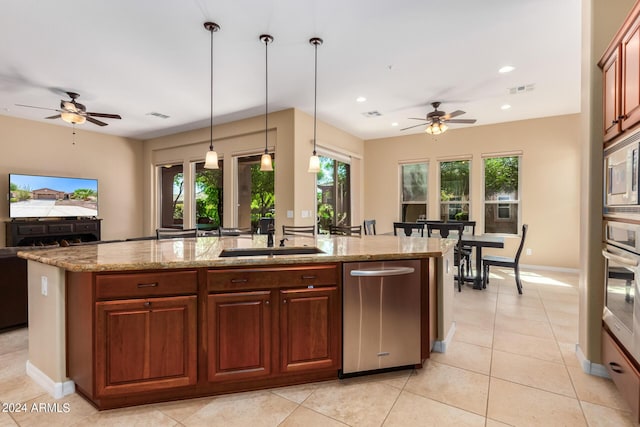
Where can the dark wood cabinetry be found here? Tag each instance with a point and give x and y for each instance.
(630, 83)
(611, 95)
(33, 233)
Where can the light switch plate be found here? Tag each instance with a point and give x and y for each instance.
(44, 285)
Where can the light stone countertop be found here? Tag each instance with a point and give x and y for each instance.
(204, 252)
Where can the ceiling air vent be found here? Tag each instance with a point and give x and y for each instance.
(372, 114)
(159, 115)
(521, 89)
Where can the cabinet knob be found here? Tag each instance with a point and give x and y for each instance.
(284, 301)
(614, 122)
(266, 302)
(147, 303)
(621, 117)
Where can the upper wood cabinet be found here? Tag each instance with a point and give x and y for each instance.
(621, 80)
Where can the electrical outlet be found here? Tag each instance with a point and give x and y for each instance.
(529, 251)
(44, 285)
(305, 214)
(289, 214)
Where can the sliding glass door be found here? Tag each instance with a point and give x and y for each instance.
(334, 193)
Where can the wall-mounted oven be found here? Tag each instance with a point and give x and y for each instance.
(621, 173)
(622, 274)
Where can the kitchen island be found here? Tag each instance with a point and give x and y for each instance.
(127, 323)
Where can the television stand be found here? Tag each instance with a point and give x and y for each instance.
(40, 232)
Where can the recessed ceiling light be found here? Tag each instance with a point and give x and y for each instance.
(361, 99)
(506, 69)
(394, 124)
(506, 106)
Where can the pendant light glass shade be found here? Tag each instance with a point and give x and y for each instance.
(265, 162)
(211, 161)
(436, 128)
(314, 160)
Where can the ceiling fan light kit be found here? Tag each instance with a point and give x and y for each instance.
(436, 121)
(314, 160)
(265, 161)
(211, 159)
(72, 118)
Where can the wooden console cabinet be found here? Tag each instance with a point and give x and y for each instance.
(34, 233)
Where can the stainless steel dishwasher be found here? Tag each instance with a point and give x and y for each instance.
(381, 315)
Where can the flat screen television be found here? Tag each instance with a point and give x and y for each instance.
(35, 196)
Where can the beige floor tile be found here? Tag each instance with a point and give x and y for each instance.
(524, 300)
(414, 410)
(306, 417)
(183, 409)
(565, 333)
(454, 386)
(14, 340)
(540, 329)
(569, 356)
(526, 345)
(296, 393)
(598, 390)
(47, 411)
(6, 420)
(601, 416)
(396, 379)
(528, 313)
(353, 402)
(19, 389)
(474, 334)
(13, 365)
(532, 372)
(494, 423)
(142, 416)
(475, 317)
(562, 305)
(466, 356)
(256, 409)
(520, 405)
(562, 318)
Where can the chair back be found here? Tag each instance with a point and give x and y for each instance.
(445, 228)
(172, 233)
(369, 226)
(525, 227)
(469, 226)
(345, 230)
(265, 224)
(408, 228)
(234, 231)
(299, 230)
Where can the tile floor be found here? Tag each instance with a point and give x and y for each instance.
(511, 362)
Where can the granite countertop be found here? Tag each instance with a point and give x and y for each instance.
(205, 251)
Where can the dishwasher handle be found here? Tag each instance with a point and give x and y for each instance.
(381, 272)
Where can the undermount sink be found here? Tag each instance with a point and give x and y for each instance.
(291, 250)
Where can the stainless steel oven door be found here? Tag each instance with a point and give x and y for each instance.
(623, 235)
(621, 314)
(621, 175)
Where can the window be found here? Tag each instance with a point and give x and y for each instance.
(255, 195)
(208, 191)
(414, 191)
(454, 190)
(501, 194)
(333, 193)
(171, 196)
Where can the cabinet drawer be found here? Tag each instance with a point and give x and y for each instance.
(622, 372)
(32, 229)
(146, 284)
(86, 226)
(60, 228)
(219, 280)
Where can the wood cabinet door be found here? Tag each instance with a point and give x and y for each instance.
(145, 345)
(310, 322)
(631, 77)
(611, 95)
(239, 335)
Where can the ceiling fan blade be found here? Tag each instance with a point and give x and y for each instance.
(32, 106)
(454, 114)
(418, 118)
(415, 126)
(108, 116)
(96, 122)
(57, 116)
(468, 121)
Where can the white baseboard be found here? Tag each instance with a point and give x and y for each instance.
(441, 346)
(589, 367)
(56, 390)
(549, 268)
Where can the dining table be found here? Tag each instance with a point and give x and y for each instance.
(478, 242)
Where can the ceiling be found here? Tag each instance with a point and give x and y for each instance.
(137, 57)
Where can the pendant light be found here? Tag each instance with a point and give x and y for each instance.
(265, 160)
(211, 161)
(314, 160)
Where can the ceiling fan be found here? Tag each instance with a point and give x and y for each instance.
(74, 112)
(435, 120)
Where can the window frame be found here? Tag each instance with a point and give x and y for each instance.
(501, 201)
(442, 203)
(424, 203)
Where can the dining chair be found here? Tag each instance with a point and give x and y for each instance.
(346, 230)
(444, 229)
(408, 228)
(369, 227)
(172, 233)
(505, 262)
(467, 251)
(299, 230)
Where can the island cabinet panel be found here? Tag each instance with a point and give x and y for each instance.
(309, 329)
(145, 345)
(239, 338)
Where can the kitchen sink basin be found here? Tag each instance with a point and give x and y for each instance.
(291, 250)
